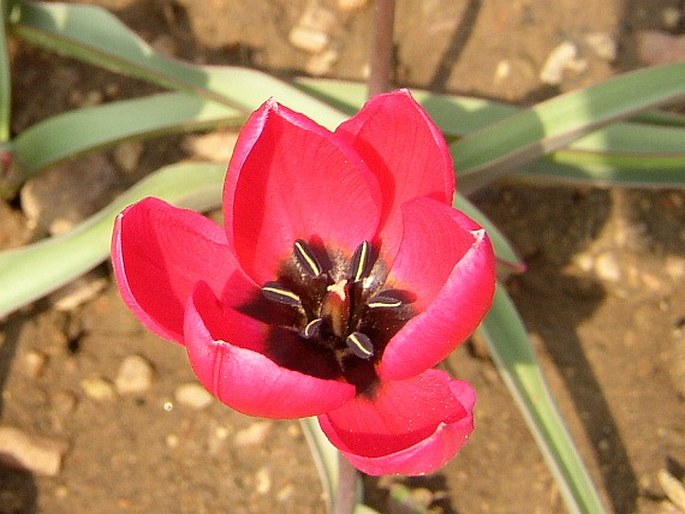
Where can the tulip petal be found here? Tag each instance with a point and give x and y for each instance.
(289, 179)
(159, 253)
(405, 149)
(447, 261)
(227, 350)
(409, 427)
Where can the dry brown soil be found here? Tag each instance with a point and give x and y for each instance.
(603, 296)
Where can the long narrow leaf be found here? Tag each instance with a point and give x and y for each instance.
(5, 77)
(75, 132)
(606, 169)
(94, 35)
(515, 141)
(649, 153)
(325, 457)
(33, 271)
(515, 358)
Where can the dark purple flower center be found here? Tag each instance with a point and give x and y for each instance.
(338, 305)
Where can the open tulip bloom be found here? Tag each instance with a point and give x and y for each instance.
(341, 276)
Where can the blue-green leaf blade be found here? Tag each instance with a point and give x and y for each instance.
(88, 129)
(32, 271)
(506, 336)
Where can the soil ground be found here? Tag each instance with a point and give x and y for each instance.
(603, 296)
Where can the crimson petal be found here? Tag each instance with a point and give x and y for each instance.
(159, 253)
(227, 350)
(405, 149)
(410, 427)
(447, 261)
(289, 179)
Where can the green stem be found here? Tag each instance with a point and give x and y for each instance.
(5, 80)
(348, 478)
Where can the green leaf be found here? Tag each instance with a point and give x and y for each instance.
(515, 358)
(628, 153)
(30, 272)
(325, 457)
(507, 145)
(5, 77)
(94, 35)
(71, 134)
(606, 169)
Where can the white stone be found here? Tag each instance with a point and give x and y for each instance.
(39, 455)
(127, 155)
(352, 5)
(606, 267)
(671, 17)
(673, 488)
(65, 195)
(263, 481)
(309, 39)
(562, 58)
(193, 395)
(253, 435)
(604, 46)
(79, 291)
(320, 64)
(98, 389)
(215, 146)
(135, 375)
(34, 364)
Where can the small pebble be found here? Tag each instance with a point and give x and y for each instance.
(79, 291)
(352, 5)
(34, 364)
(193, 395)
(503, 71)
(253, 435)
(263, 481)
(65, 195)
(215, 146)
(127, 156)
(676, 362)
(671, 18)
(98, 389)
(38, 455)
(673, 488)
(654, 47)
(562, 58)
(606, 267)
(285, 492)
(320, 64)
(135, 375)
(308, 39)
(603, 45)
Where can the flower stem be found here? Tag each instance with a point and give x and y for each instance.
(382, 52)
(346, 499)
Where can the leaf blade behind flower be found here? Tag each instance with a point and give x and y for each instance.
(507, 339)
(32, 271)
(648, 151)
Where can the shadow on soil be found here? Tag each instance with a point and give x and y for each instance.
(18, 492)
